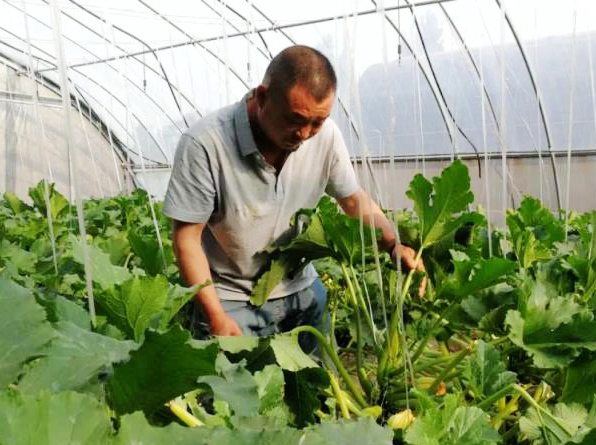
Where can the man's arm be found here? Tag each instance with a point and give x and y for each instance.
(194, 268)
(360, 205)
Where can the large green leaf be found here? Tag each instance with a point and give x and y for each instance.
(270, 386)
(24, 330)
(164, 367)
(290, 254)
(553, 329)
(302, 393)
(565, 423)
(103, 272)
(66, 418)
(23, 260)
(580, 380)
(474, 275)
(75, 358)
(452, 424)
(485, 372)
(362, 431)
(288, 353)
(143, 302)
(39, 193)
(235, 385)
(437, 203)
(279, 268)
(153, 257)
(135, 429)
(532, 215)
(59, 308)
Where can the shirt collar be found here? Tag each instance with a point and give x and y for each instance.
(246, 141)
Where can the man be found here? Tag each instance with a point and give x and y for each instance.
(240, 174)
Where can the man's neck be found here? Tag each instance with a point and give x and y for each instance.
(272, 154)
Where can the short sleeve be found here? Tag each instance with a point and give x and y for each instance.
(342, 178)
(191, 192)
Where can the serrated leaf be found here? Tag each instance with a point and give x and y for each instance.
(479, 274)
(278, 270)
(552, 347)
(235, 385)
(302, 393)
(58, 203)
(437, 203)
(485, 372)
(73, 359)
(363, 430)
(563, 424)
(237, 344)
(164, 367)
(288, 353)
(146, 247)
(14, 202)
(59, 308)
(580, 380)
(103, 272)
(270, 386)
(552, 328)
(469, 426)
(23, 260)
(143, 302)
(24, 330)
(452, 424)
(53, 419)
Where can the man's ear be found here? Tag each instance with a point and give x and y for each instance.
(261, 95)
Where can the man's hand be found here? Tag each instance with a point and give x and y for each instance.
(224, 325)
(408, 259)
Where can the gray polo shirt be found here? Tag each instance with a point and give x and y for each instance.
(220, 178)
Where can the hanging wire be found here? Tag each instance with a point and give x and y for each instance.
(486, 162)
(73, 156)
(41, 134)
(570, 128)
(503, 122)
(505, 18)
(121, 70)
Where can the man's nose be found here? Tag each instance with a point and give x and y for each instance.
(305, 132)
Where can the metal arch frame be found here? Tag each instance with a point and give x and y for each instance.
(228, 22)
(441, 98)
(99, 60)
(142, 42)
(176, 27)
(78, 105)
(473, 62)
(151, 99)
(243, 33)
(287, 36)
(103, 127)
(538, 99)
(90, 95)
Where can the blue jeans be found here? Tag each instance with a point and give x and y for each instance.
(306, 307)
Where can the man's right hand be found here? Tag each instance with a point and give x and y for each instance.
(224, 325)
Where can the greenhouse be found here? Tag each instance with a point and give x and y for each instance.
(330, 222)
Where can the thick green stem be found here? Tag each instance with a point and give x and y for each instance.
(341, 399)
(180, 412)
(386, 361)
(335, 359)
(364, 381)
(486, 403)
(456, 361)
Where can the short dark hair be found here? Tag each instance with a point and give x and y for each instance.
(304, 66)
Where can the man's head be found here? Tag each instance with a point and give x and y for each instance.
(295, 97)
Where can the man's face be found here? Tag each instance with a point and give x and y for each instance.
(290, 120)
